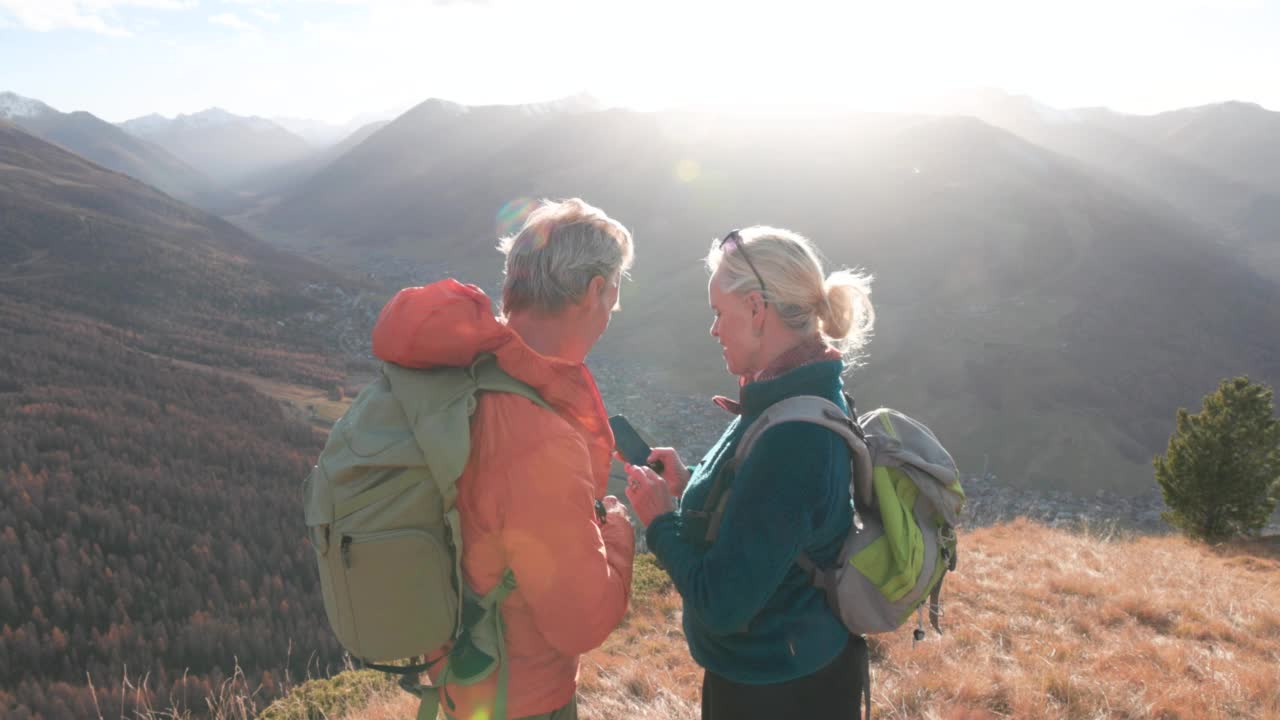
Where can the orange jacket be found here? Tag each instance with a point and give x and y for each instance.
(527, 496)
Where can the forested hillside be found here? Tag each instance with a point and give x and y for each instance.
(149, 524)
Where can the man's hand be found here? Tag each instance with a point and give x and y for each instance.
(615, 510)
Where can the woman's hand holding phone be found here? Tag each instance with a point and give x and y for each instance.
(648, 494)
(673, 472)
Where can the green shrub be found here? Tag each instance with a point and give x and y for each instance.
(647, 578)
(1221, 475)
(330, 698)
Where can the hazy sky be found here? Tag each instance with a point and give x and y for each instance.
(332, 59)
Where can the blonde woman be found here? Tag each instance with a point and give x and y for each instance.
(769, 644)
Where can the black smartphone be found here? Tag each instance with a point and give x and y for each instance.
(630, 445)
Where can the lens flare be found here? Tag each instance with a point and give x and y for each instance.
(541, 238)
(688, 170)
(512, 216)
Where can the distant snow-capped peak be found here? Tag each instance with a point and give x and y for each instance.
(14, 106)
(213, 117)
(1052, 115)
(147, 123)
(217, 117)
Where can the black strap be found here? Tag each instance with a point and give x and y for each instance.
(935, 604)
(413, 669)
(822, 578)
(866, 679)
(853, 417)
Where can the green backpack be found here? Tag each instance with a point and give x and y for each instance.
(380, 514)
(907, 500)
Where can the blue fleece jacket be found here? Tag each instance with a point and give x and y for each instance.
(750, 613)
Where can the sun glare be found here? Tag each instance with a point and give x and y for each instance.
(867, 55)
(851, 55)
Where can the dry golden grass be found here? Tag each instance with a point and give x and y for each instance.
(1040, 623)
(397, 706)
(1044, 623)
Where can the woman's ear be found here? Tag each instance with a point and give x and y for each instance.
(756, 302)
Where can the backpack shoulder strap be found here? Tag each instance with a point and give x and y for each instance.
(800, 408)
(823, 412)
(437, 405)
(490, 377)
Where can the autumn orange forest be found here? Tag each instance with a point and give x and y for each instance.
(1070, 212)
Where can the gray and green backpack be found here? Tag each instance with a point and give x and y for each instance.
(907, 499)
(380, 514)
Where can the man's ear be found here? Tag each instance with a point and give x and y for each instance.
(596, 288)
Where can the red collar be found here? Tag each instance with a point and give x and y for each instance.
(806, 352)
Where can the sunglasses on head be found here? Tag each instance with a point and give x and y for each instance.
(734, 237)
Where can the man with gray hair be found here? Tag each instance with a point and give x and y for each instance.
(532, 497)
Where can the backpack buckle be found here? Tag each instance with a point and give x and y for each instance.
(947, 541)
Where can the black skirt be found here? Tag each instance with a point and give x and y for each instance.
(836, 691)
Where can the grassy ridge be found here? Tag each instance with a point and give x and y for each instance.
(1040, 623)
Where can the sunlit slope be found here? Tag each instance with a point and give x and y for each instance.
(1035, 314)
(1211, 165)
(77, 238)
(1039, 624)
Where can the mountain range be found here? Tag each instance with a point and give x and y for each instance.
(105, 144)
(225, 147)
(1196, 161)
(1239, 140)
(213, 159)
(1093, 270)
(266, 185)
(80, 238)
(1083, 283)
(1051, 286)
(321, 134)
